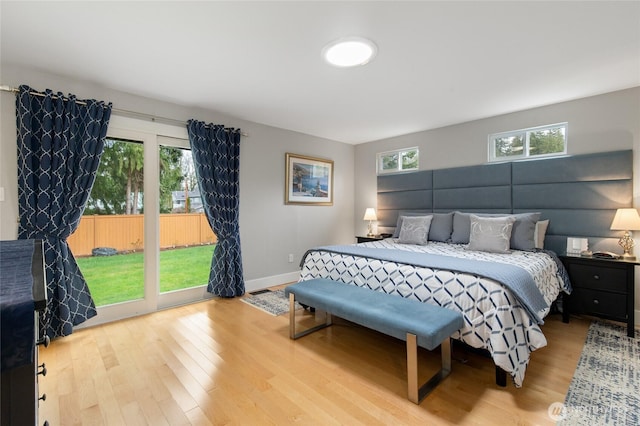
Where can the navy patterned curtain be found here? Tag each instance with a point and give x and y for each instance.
(216, 156)
(60, 141)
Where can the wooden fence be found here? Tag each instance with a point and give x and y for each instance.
(126, 232)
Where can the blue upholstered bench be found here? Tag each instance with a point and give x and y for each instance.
(419, 324)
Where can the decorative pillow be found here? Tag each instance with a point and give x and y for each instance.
(415, 230)
(440, 229)
(521, 235)
(401, 215)
(492, 234)
(540, 232)
(462, 227)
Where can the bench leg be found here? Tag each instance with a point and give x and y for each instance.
(292, 320)
(417, 393)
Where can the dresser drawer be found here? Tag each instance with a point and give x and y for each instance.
(599, 303)
(598, 277)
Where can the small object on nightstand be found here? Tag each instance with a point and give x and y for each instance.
(605, 255)
(577, 245)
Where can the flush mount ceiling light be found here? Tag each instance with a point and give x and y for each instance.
(349, 52)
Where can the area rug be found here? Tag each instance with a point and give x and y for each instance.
(605, 389)
(273, 302)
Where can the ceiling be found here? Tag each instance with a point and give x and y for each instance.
(438, 63)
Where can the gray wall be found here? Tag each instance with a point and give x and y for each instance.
(269, 229)
(607, 122)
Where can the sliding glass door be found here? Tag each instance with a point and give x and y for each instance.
(143, 242)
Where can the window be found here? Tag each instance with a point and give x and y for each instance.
(526, 143)
(401, 160)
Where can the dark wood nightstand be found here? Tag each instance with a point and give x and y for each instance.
(601, 287)
(361, 239)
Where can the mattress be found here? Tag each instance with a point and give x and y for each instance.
(494, 320)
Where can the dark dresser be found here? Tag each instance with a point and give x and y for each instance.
(23, 300)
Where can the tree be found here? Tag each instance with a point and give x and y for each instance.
(131, 165)
(547, 141)
(410, 159)
(511, 145)
(108, 192)
(171, 175)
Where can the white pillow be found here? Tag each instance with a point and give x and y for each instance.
(540, 232)
(415, 230)
(492, 234)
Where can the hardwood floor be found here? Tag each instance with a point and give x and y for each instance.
(225, 362)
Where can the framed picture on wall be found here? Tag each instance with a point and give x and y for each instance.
(308, 180)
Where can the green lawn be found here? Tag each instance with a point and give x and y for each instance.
(119, 278)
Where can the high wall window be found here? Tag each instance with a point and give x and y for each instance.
(401, 160)
(526, 143)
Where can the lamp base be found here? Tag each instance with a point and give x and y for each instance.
(627, 256)
(626, 242)
(370, 230)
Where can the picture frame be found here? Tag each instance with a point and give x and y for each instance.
(308, 180)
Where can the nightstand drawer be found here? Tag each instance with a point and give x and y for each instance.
(599, 302)
(598, 278)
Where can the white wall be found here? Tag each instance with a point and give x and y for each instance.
(269, 229)
(606, 122)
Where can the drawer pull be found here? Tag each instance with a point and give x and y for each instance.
(43, 397)
(44, 369)
(46, 341)
(596, 301)
(596, 277)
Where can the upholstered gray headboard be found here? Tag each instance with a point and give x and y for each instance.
(578, 194)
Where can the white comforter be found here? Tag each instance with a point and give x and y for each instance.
(493, 318)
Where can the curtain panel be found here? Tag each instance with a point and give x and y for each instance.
(60, 141)
(216, 157)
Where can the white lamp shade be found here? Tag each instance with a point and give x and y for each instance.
(626, 220)
(370, 214)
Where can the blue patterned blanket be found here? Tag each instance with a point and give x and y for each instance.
(516, 279)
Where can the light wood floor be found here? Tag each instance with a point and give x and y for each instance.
(225, 362)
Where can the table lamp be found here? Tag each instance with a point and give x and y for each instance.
(370, 215)
(626, 220)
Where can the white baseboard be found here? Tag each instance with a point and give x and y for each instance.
(266, 282)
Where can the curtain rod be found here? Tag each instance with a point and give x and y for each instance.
(123, 112)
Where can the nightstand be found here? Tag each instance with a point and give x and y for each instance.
(601, 287)
(361, 239)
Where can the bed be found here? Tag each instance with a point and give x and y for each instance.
(573, 196)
